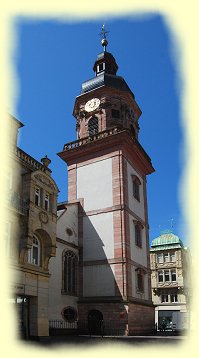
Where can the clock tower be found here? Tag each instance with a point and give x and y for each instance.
(107, 169)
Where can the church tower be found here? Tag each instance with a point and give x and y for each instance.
(107, 169)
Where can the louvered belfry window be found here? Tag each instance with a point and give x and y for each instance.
(93, 126)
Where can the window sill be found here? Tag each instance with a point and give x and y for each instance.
(74, 294)
(136, 199)
(140, 292)
(139, 246)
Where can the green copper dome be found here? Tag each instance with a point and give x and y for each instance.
(167, 240)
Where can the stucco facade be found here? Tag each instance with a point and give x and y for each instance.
(31, 238)
(61, 299)
(107, 169)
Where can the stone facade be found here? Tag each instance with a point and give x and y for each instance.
(170, 280)
(31, 241)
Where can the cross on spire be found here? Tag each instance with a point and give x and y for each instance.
(103, 32)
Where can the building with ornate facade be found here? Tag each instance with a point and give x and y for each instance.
(170, 280)
(30, 237)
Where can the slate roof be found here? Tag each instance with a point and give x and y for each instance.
(108, 80)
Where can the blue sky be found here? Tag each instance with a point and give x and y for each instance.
(54, 57)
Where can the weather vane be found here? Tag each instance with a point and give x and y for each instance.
(104, 41)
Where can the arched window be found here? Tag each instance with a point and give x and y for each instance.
(93, 126)
(34, 252)
(70, 273)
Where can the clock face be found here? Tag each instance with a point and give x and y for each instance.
(92, 104)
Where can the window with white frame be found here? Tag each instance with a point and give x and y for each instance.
(47, 202)
(37, 196)
(100, 67)
(159, 257)
(34, 252)
(166, 276)
(172, 256)
(160, 276)
(173, 275)
(166, 257)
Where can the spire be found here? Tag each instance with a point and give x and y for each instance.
(104, 41)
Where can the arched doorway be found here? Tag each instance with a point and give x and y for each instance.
(95, 322)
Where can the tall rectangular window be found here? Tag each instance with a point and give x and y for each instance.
(166, 276)
(174, 297)
(140, 282)
(160, 276)
(37, 196)
(138, 235)
(159, 258)
(34, 252)
(173, 275)
(47, 202)
(136, 193)
(136, 187)
(166, 257)
(93, 126)
(164, 298)
(172, 256)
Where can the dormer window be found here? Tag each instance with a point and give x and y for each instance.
(101, 67)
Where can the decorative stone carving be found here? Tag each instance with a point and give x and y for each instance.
(44, 180)
(43, 217)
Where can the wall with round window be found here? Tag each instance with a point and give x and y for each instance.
(69, 314)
